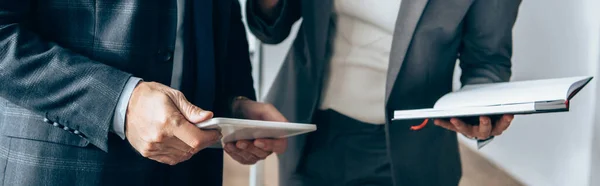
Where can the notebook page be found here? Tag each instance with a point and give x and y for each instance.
(509, 93)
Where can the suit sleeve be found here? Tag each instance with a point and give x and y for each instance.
(61, 85)
(486, 48)
(273, 32)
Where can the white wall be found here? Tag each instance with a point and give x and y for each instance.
(552, 38)
(593, 16)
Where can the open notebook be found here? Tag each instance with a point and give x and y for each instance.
(519, 97)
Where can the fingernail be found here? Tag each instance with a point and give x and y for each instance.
(242, 145)
(259, 144)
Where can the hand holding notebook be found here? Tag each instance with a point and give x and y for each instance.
(520, 97)
(492, 106)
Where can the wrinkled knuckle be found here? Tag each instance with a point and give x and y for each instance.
(146, 147)
(164, 120)
(187, 156)
(177, 93)
(156, 138)
(173, 119)
(196, 143)
(145, 153)
(152, 146)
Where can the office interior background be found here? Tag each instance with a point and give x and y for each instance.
(552, 38)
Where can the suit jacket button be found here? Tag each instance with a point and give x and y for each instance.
(56, 124)
(76, 132)
(165, 55)
(47, 120)
(66, 128)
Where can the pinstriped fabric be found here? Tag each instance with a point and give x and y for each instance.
(63, 64)
(67, 61)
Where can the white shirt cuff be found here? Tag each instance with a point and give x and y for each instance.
(118, 125)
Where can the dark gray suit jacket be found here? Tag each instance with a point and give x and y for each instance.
(430, 36)
(63, 65)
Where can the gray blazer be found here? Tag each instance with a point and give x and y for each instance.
(430, 36)
(63, 65)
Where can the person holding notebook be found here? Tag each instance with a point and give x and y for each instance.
(354, 62)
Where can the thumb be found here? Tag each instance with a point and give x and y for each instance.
(190, 111)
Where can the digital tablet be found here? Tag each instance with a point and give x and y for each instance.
(245, 129)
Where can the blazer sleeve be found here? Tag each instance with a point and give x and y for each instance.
(61, 85)
(486, 47)
(273, 32)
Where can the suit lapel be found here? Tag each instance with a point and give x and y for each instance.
(319, 13)
(406, 23)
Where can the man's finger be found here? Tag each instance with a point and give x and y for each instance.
(461, 127)
(272, 114)
(230, 148)
(177, 144)
(237, 157)
(173, 153)
(196, 138)
(272, 145)
(485, 127)
(502, 124)
(445, 124)
(261, 154)
(233, 149)
(190, 111)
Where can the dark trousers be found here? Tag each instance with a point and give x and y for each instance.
(54, 164)
(204, 169)
(344, 151)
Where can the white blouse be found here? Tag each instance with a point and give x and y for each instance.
(356, 77)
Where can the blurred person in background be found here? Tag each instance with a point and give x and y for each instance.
(354, 62)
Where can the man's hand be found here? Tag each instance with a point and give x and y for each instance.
(159, 124)
(484, 130)
(249, 152)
